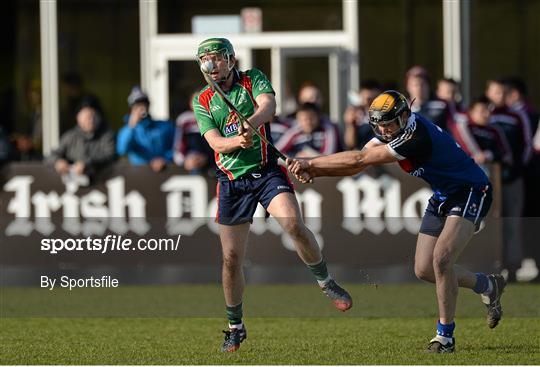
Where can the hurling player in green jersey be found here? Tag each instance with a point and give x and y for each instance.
(248, 174)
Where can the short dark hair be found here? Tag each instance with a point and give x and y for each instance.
(515, 83)
(370, 84)
(495, 80)
(308, 106)
(479, 100)
(449, 80)
(417, 71)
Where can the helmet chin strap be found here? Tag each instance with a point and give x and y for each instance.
(230, 67)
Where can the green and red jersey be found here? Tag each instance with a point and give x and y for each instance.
(211, 112)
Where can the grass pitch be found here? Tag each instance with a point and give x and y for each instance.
(291, 324)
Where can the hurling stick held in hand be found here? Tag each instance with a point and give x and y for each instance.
(206, 68)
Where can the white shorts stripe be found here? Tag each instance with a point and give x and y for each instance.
(467, 205)
(481, 204)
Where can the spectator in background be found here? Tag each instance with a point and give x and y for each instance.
(484, 142)
(417, 83)
(191, 151)
(6, 150)
(515, 92)
(85, 148)
(514, 127)
(519, 140)
(28, 141)
(309, 92)
(356, 118)
(516, 100)
(531, 207)
(536, 140)
(143, 139)
(311, 135)
(279, 126)
(73, 93)
(448, 91)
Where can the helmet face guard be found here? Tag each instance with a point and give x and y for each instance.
(216, 46)
(388, 109)
(399, 121)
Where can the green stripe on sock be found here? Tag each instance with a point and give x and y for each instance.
(234, 314)
(319, 270)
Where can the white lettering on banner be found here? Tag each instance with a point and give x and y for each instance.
(375, 205)
(187, 201)
(367, 200)
(310, 202)
(43, 205)
(372, 204)
(414, 208)
(118, 201)
(92, 205)
(20, 204)
(212, 211)
(260, 225)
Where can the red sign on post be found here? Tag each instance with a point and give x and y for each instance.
(252, 20)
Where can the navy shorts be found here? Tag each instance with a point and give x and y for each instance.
(237, 199)
(470, 203)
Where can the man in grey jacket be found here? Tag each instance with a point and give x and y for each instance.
(87, 147)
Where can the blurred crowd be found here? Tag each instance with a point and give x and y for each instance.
(500, 126)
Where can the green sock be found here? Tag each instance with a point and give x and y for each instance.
(234, 314)
(319, 270)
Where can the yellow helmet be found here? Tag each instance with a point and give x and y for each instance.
(387, 108)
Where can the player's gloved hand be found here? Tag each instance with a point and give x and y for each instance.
(300, 169)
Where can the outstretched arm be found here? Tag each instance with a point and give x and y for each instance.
(341, 164)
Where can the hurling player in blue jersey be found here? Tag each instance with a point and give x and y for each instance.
(461, 198)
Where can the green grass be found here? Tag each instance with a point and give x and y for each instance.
(291, 324)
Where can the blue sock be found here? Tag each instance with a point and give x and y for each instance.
(445, 330)
(482, 283)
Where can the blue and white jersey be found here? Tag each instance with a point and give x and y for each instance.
(424, 150)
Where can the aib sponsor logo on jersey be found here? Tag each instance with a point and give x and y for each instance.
(231, 125)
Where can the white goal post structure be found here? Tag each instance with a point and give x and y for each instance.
(340, 46)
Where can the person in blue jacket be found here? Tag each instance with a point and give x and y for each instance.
(143, 139)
